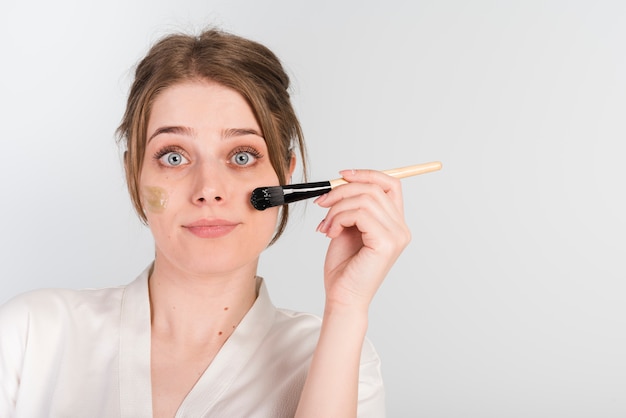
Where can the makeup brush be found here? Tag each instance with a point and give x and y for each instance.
(267, 197)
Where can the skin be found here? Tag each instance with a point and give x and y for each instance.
(207, 235)
(365, 223)
(198, 132)
(206, 126)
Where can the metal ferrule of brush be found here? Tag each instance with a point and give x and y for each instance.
(295, 192)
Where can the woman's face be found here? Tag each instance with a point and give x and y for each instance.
(204, 156)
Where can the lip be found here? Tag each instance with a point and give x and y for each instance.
(211, 228)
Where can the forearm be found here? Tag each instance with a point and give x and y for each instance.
(365, 223)
(331, 387)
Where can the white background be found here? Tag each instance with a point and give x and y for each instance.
(511, 299)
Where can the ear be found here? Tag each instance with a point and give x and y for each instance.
(292, 165)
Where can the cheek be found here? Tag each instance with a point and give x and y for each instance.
(266, 224)
(159, 205)
(266, 220)
(154, 199)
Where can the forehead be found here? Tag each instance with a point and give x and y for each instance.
(201, 104)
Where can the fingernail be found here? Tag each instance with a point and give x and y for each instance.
(321, 198)
(347, 172)
(319, 227)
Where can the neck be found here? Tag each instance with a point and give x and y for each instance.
(199, 309)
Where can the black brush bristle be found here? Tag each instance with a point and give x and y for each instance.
(267, 197)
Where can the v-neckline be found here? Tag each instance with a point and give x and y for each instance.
(229, 362)
(231, 359)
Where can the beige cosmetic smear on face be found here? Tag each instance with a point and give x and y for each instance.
(155, 198)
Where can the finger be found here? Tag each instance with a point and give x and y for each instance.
(367, 214)
(390, 185)
(389, 237)
(350, 190)
(344, 192)
(362, 197)
(387, 182)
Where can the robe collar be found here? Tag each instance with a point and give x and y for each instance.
(230, 361)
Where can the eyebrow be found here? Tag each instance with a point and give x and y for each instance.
(179, 130)
(184, 130)
(229, 133)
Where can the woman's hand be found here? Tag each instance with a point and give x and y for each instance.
(366, 225)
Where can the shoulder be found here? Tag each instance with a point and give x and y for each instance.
(300, 321)
(299, 333)
(49, 301)
(292, 335)
(302, 324)
(58, 307)
(48, 344)
(371, 386)
(43, 326)
(59, 302)
(282, 327)
(303, 329)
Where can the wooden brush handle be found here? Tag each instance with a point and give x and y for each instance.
(402, 172)
(414, 170)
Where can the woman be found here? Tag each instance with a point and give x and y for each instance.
(209, 119)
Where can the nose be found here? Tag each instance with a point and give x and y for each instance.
(210, 184)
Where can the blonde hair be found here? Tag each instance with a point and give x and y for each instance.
(245, 66)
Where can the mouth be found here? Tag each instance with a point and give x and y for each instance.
(211, 228)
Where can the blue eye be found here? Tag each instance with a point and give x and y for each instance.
(243, 158)
(173, 159)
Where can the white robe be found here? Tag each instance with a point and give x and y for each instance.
(86, 353)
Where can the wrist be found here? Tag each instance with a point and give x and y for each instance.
(354, 317)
